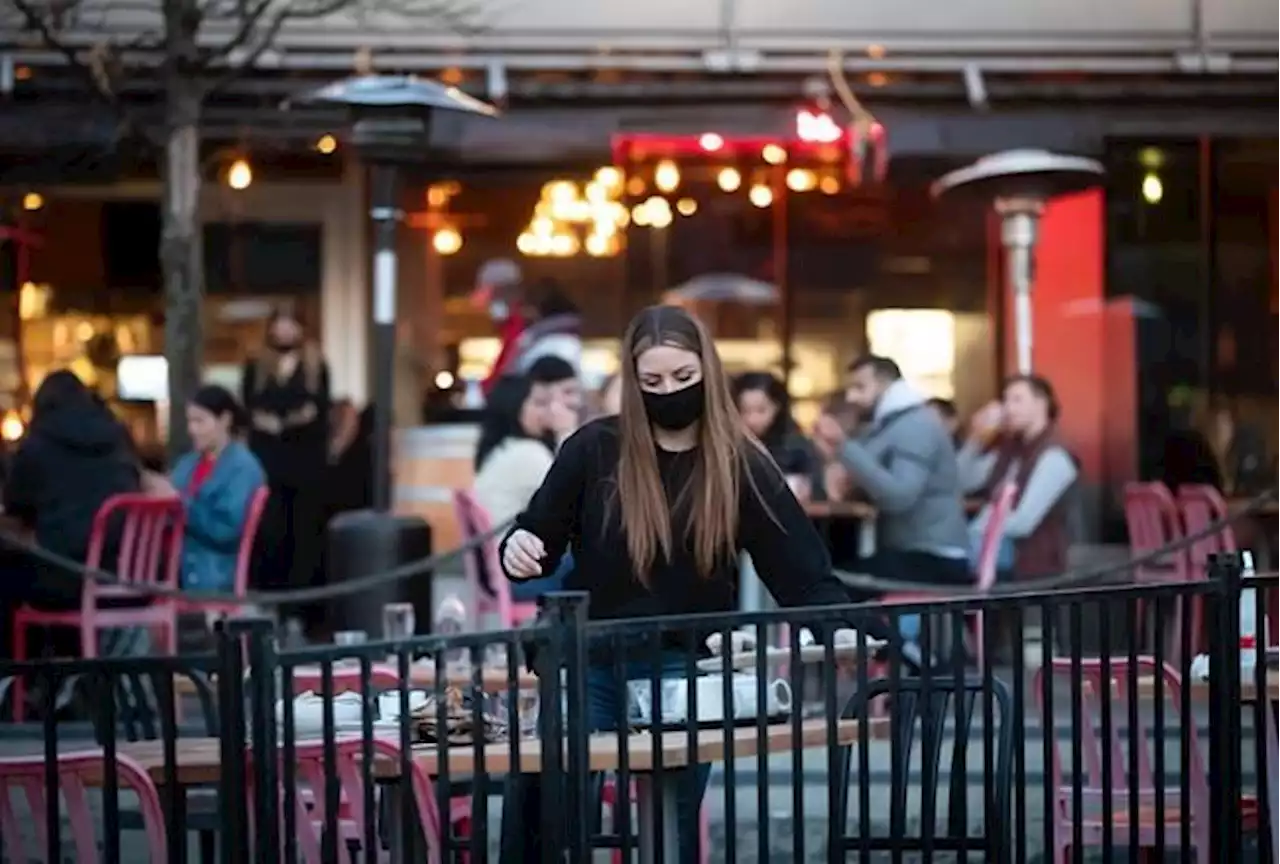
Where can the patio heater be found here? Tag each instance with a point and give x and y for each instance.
(391, 128)
(391, 119)
(1019, 183)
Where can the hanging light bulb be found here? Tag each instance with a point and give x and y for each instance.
(240, 175)
(801, 180)
(327, 144)
(609, 178)
(32, 201)
(597, 245)
(687, 206)
(829, 185)
(773, 154)
(666, 176)
(447, 241)
(760, 195)
(729, 179)
(710, 141)
(1152, 188)
(660, 218)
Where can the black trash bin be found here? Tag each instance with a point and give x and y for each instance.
(365, 542)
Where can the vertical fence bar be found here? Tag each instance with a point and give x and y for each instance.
(1078, 719)
(258, 633)
(53, 793)
(1020, 839)
(175, 801)
(1159, 723)
(232, 803)
(1048, 733)
(1133, 722)
(1265, 760)
(1232, 572)
(1219, 732)
(730, 757)
(1105, 720)
(110, 772)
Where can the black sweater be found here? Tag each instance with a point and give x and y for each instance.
(570, 511)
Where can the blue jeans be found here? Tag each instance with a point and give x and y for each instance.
(522, 842)
(530, 590)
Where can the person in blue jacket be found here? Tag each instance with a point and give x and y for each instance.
(217, 480)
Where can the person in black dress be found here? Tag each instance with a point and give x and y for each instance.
(656, 505)
(286, 394)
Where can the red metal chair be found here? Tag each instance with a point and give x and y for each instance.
(1200, 506)
(1151, 514)
(489, 588)
(1094, 823)
(244, 558)
(77, 773)
(150, 555)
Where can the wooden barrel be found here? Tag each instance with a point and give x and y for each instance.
(431, 463)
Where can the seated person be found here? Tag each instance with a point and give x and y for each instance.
(74, 457)
(512, 459)
(556, 382)
(217, 480)
(765, 407)
(1025, 450)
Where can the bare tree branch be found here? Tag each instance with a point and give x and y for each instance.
(43, 23)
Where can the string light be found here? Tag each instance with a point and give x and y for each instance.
(1152, 188)
(32, 201)
(773, 154)
(240, 175)
(666, 176)
(829, 185)
(801, 180)
(686, 206)
(710, 141)
(760, 195)
(327, 144)
(447, 241)
(729, 180)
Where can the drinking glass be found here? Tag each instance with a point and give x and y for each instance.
(398, 621)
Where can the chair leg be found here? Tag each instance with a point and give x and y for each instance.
(19, 681)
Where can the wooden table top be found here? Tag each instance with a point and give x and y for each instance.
(199, 759)
(863, 510)
(1200, 687)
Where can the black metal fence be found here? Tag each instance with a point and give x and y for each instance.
(1139, 723)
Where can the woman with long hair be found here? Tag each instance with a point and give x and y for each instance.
(656, 505)
(765, 407)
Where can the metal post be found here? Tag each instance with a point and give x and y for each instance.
(386, 215)
(1020, 219)
(567, 611)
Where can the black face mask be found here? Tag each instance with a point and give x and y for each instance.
(676, 410)
(282, 346)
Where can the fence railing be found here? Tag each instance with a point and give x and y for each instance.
(1138, 721)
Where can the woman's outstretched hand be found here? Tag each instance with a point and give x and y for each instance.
(522, 555)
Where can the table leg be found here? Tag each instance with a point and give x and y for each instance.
(651, 795)
(1273, 772)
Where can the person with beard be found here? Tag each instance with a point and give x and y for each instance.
(286, 395)
(904, 461)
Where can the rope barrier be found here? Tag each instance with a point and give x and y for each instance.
(415, 568)
(257, 598)
(1069, 579)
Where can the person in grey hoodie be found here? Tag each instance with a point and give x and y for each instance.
(904, 461)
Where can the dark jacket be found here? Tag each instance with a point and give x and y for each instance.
(72, 459)
(296, 456)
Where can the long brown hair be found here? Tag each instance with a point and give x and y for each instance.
(716, 481)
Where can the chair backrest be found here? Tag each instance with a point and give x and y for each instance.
(150, 539)
(310, 802)
(489, 590)
(139, 694)
(1088, 731)
(252, 521)
(1151, 516)
(922, 710)
(1200, 505)
(26, 775)
(993, 533)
